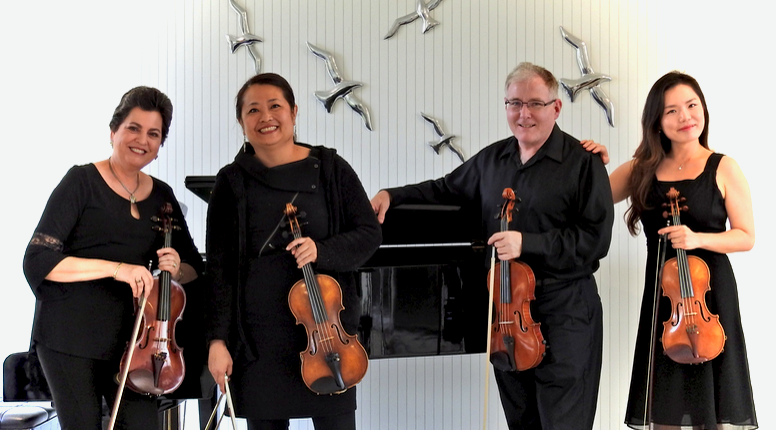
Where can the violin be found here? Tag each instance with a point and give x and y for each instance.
(516, 341)
(333, 360)
(692, 334)
(157, 365)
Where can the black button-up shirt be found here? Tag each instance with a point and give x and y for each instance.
(565, 209)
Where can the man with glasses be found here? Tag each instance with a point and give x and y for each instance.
(561, 229)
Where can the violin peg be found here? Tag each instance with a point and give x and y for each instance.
(685, 208)
(665, 214)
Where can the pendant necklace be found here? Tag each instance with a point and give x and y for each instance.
(132, 199)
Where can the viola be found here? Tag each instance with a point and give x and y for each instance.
(692, 334)
(333, 360)
(516, 341)
(157, 365)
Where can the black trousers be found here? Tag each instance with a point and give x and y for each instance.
(561, 393)
(336, 422)
(78, 386)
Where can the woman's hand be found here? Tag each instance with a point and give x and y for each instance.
(596, 148)
(304, 250)
(219, 363)
(170, 260)
(681, 237)
(137, 277)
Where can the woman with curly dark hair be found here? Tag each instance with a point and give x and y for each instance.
(89, 257)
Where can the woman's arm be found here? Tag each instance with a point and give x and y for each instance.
(76, 269)
(619, 181)
(738, 204)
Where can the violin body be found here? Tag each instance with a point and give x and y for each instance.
(157, 365)
(517, 342)
(692, 334)
(334, 360)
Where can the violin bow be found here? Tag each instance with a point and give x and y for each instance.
(229, 404)
(125, 370)
(491, 285)
(661, 260)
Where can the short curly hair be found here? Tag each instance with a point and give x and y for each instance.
(148, 99)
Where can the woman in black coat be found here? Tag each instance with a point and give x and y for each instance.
(253, 261)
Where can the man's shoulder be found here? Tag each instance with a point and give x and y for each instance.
(498, 147)
(572, 146)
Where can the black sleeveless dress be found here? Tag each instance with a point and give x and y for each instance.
(704, 395)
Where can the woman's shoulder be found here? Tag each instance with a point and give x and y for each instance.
(161, 186)
(80, 173)
(728, 166)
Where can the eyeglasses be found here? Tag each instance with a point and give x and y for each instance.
(517, 105)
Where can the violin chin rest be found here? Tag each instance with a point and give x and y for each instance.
(326, 385)
(500, 361)
(142, 380)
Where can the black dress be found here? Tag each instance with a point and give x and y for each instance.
(715, 392)
(253, 273)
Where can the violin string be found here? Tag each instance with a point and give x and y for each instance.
(505, 299)
(316, 301)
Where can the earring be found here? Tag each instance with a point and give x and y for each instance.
(111, 144)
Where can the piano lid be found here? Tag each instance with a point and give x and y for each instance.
(408, 224)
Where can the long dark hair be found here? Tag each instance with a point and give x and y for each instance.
(654, 144)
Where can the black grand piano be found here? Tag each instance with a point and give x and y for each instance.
(423, 293)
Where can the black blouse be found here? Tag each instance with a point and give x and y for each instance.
(85, 218)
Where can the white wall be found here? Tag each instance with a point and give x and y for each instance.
(64, 66)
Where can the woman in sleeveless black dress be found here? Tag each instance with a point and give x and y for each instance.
(674, 152)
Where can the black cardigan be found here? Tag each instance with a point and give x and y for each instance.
(354, 235)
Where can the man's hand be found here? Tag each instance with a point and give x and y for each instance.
(508, 244)
(380, 203)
